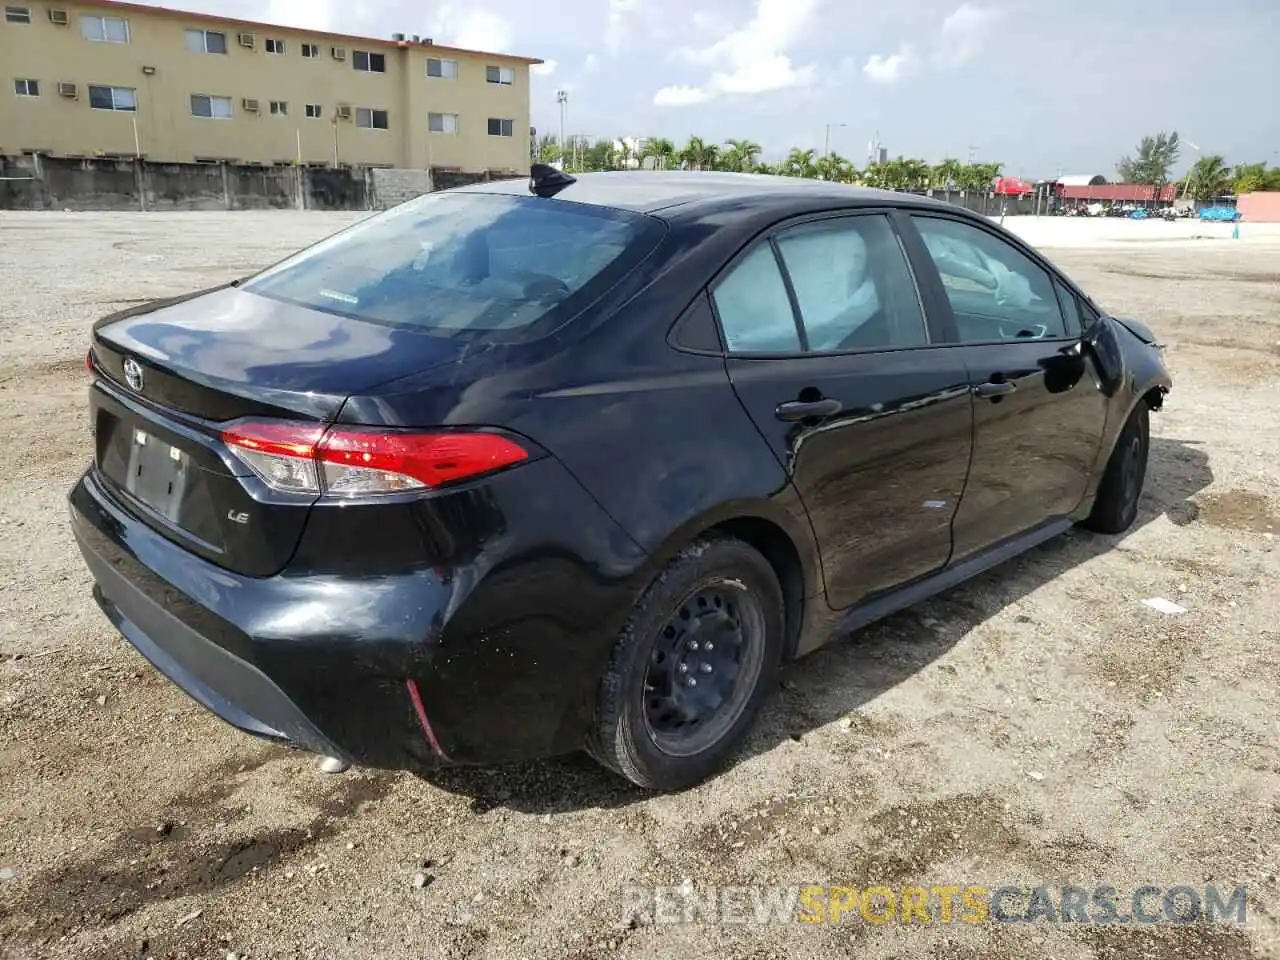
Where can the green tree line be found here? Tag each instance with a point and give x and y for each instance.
(743, 156)
(1209, 177)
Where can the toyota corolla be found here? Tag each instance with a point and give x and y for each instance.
(538, 466)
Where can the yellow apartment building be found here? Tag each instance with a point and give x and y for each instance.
(91, 78)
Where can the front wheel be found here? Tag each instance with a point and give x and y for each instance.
(690, 669)
(1116, 505)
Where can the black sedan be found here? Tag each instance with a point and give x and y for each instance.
(537, 466)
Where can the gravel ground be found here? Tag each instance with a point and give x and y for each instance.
(1038, 725)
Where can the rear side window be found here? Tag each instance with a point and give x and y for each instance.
(467, 264)
(852, 284)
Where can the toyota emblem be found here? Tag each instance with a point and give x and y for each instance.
(133, 374)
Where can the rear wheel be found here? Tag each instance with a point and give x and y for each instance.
(691, 667)
(1116, 505)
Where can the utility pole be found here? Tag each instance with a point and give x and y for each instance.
(562, 98)
(973, 154)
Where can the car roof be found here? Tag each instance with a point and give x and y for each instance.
(679, 193)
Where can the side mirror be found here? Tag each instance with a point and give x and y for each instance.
(1101, 343)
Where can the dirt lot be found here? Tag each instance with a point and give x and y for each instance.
(1036, 726)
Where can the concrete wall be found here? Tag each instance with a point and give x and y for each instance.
(155, 64)
(42, 183)
(392, 187)
(1259, 207)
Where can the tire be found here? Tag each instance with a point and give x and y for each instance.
(643, 728)
(1116, 504)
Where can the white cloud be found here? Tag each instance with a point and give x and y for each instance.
(472, 29)
(616, 29)
(964, 33)
(544, 69)
(681, 96)
(751, 59)
(313, 14)
(890, 68)
(590, 63)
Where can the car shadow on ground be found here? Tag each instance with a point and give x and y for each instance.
(849, 672)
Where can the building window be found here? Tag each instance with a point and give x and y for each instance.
(311, 51)
(279, 108)
(371, 119)
(26, 88)
(215, 108)
(105, 29)
(206, 41)
(442, 122)
(500, 128)
(445, 69)
(112, 98)
(17, 14)
(275, 46)
(315, 111)
(369, 62)
(503, 75)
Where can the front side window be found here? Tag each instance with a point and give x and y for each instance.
(445, 69)
(17, 14)
(852, 285)
(500, 128)
(368, 62)
(112, 98)
(502, 267)
(105, 29)
(996, 291)
(26, 88)
(371, 119)
(216, 108)
(754, 309)
(206, 41)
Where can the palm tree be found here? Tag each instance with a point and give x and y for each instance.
(741, 156)
(800, 163)
(876, 175)
(945, 175)
(699, 155)
(661, 149)
(834, 168)
(1209, 178)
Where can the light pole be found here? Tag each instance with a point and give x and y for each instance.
(826, 140)
(562, 98)
(1186, 184)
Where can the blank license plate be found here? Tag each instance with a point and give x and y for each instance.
(158, 474)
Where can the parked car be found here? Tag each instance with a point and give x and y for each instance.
(536, 466)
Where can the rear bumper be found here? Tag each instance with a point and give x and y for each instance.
(385, 668)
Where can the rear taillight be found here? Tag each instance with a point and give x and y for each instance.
(358, 461)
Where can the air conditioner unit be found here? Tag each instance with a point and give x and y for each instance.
(250, 104)
(344, 111)
(245, 40)
(338, 53)
(59, 17)
(67, 89)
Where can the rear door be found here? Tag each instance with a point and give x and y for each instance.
(830, 353)
(1039, 414)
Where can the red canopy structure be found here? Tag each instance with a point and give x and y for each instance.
(1013, 187)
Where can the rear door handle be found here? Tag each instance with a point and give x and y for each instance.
(994, 388)
(804, 409)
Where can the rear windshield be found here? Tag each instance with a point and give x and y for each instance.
(467, 264)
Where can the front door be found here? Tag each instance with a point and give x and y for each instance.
(831, 356)
(1038, 411)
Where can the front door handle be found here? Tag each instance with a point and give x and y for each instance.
(804, 409)
(994, 388)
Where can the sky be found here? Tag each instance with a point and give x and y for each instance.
(1046, 88)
